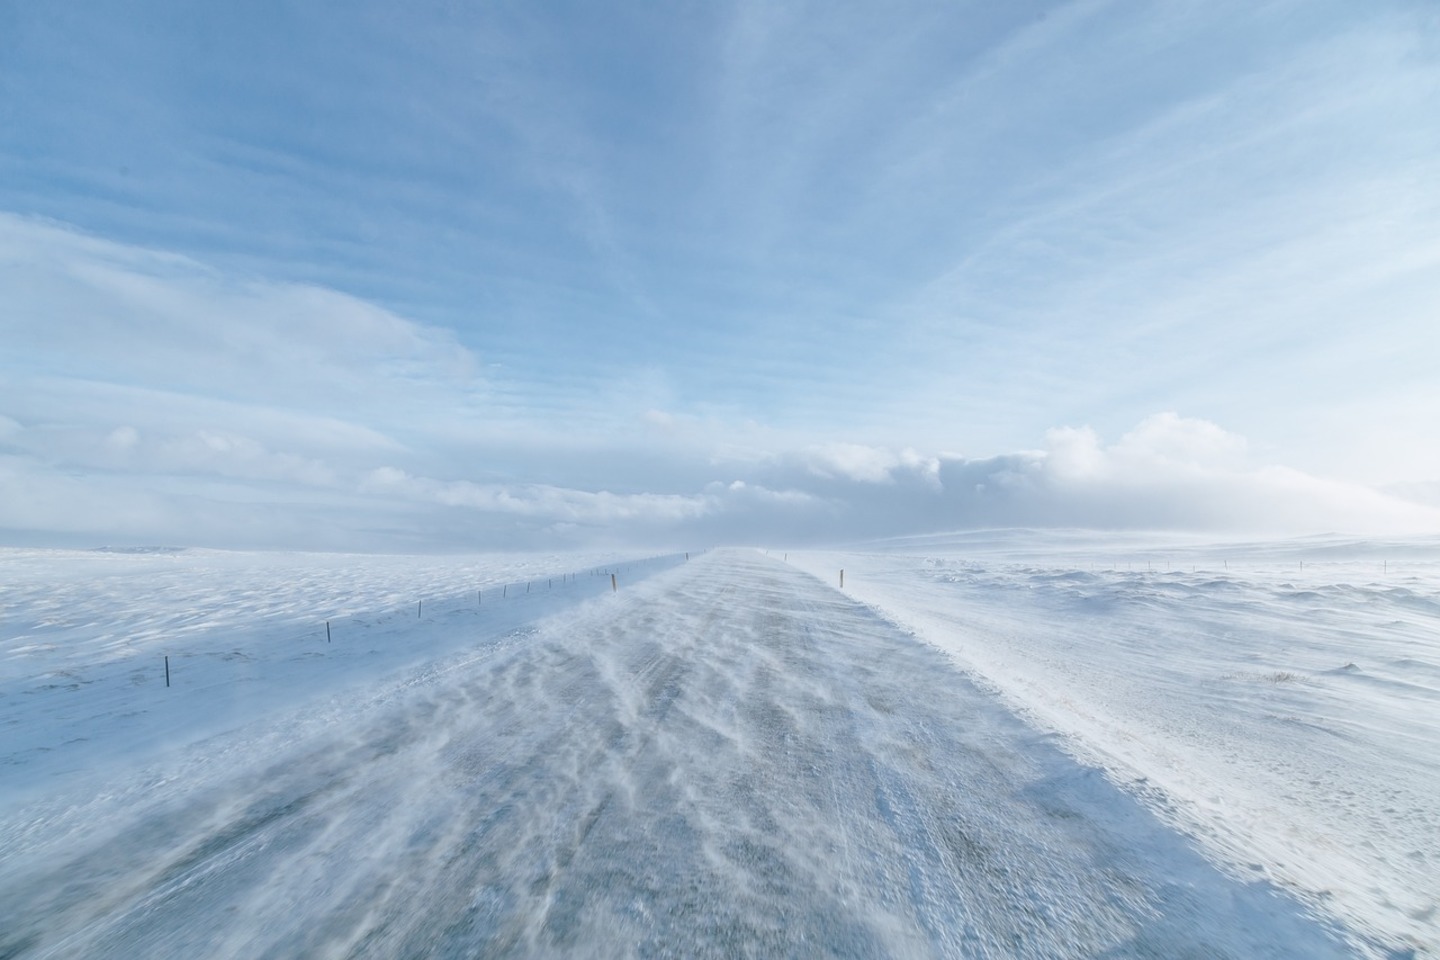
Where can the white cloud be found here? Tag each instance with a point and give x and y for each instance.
(1075, 452)
(150, 397)
(865, 464)
(128, 360)
(548, 503)
(852, 462)
(233, 455)
(1177, 472)
(1169, 440)
(1169, 473)
(1161, 444)
(122, 439)
(83, 309)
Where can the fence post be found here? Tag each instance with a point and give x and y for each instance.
(167, 670)
(613, 587)
(842, 579)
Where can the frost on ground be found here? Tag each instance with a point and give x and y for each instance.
(726, 758)
(1279, 700)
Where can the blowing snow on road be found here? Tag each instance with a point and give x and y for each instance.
(726, 759)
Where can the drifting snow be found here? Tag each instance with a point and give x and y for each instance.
(1279, 700)
(725, 758)
(84, 636)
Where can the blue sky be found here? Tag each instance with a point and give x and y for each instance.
(530, 274)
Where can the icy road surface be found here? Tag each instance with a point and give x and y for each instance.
(727, 759)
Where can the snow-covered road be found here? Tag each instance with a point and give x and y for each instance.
(1281, 700)
(727, 759)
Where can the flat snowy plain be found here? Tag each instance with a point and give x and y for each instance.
(984, 746)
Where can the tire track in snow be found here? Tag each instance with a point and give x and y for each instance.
(728, 760)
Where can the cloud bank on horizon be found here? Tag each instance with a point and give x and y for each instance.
(512, 277)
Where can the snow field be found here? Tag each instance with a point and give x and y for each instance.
(1289, 717)
(84, 636)
(726, 759)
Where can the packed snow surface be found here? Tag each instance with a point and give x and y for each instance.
(1279, 700)
(727, 757)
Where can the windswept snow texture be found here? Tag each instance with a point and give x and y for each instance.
(1280, 700)
(725, 759)
(84, 636)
